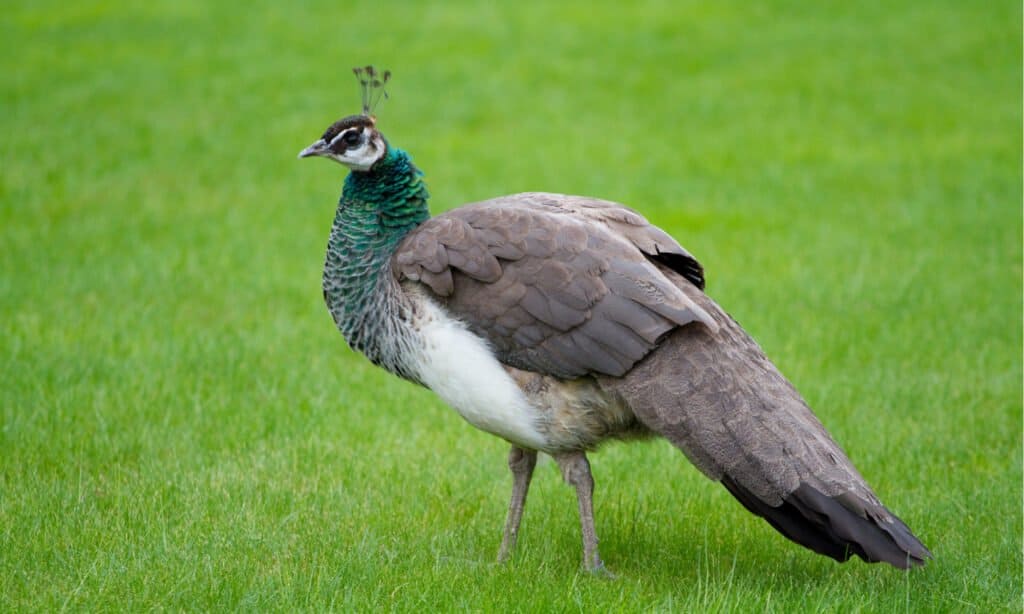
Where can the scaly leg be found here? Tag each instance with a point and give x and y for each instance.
(521, 462)
(576, 471)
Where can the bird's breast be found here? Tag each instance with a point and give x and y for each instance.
(460, 368)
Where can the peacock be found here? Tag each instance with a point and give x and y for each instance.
(560, 322)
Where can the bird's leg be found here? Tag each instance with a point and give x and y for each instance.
(576, 471)
(521, 462)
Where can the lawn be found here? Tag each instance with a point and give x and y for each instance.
(183, 428)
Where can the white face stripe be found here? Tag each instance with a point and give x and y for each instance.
(362, 157)
(344, 132)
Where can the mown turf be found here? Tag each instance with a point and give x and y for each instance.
(183, 429)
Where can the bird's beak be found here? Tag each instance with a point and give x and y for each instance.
(316, 149)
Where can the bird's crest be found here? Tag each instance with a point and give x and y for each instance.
(372, 85)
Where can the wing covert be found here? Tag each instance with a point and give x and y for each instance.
(557, 284)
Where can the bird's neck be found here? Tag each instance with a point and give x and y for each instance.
(377, 209)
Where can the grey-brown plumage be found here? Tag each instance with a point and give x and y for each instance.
(564, 286)
(742, 423)
(559, 322)
(586, 298)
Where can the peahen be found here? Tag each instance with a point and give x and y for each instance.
(559, 322)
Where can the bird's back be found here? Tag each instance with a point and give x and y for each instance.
(560, 285)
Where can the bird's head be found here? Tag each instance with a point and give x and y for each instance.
(354, 141)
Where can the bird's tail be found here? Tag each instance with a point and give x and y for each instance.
(836, 527)
(717, 397)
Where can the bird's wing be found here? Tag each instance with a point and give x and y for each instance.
(560, 285)
(717, 397)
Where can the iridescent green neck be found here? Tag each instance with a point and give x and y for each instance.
(377, 209)
(387, 201)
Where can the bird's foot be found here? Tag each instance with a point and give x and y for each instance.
(504, 554)
(600, 571)
(508, 542)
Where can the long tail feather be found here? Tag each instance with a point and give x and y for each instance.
(827, 526)
(715, 395)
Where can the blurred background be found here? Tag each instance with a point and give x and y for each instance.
(183, 428)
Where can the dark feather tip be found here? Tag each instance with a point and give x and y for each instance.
(838, 527)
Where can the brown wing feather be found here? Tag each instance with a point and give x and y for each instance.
(560, 285)
(724, 404)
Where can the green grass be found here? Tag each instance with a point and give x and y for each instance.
(183, 429)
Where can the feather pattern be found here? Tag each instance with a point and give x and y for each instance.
(375, 211)
(716, 396)
(561, 285)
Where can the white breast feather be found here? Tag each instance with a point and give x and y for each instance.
(458, 366)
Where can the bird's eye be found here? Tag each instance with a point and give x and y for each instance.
(351, 138)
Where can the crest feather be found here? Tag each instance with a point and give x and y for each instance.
(371, 84)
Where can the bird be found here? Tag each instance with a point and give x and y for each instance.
(559, 323)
